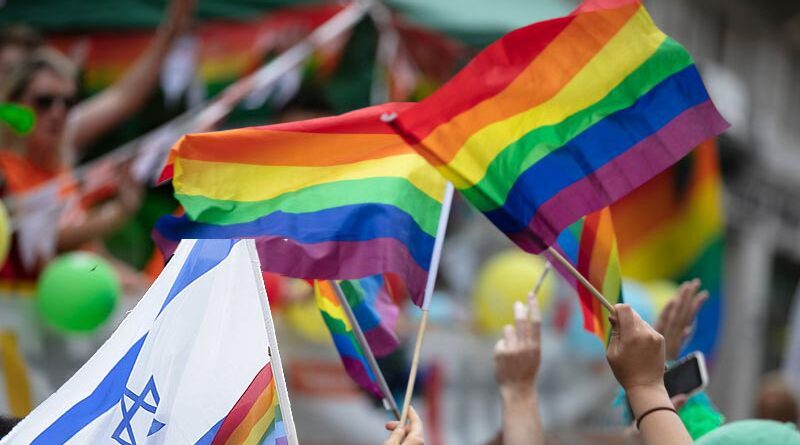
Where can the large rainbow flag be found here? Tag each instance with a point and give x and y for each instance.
(353, 358)
(564, 117)
(332, 198)
(256, 418)
(590, 245)
(673, 228)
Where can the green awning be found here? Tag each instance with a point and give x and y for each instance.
(474, 21)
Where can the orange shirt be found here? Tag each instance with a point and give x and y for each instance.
(18, 174)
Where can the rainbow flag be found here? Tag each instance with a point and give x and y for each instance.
(372, 303)
(590, 244)
(256, 418)
(563, 117)
(353, 358)
(332, 198)
(673, 228)
(226, 50)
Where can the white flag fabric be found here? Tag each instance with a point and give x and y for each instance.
(191, 364)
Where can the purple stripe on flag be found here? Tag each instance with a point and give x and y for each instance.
(355, 369)
(342, 260)
(334, 260)
(381, 340)
(621, 175)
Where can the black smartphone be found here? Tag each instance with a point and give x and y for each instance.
(687, 376)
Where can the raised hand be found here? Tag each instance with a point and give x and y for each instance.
(675, 321)
(517, 355)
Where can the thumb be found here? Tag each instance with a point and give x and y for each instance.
(396, 437)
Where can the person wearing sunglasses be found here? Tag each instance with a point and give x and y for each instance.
(45, 80)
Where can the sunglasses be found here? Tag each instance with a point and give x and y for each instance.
(45, 102)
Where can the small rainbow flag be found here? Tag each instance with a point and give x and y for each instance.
(355, 363)
(590, 245)
(332, 198)
(256, 418)
(563, 117)
(373, 305)
(673, 228)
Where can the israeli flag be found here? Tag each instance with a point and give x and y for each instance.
(178, 363)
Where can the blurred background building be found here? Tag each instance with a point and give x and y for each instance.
(751, 54)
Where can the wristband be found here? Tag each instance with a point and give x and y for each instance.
(651, 411)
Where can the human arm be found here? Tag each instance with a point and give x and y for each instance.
(95, 116)
(104, 219)
(412, 434)
(636, 356)
(676, 319)
(517, 357)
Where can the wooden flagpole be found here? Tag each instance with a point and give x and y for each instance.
(581, 279)
(540, 281)
(275, 356)
(432, 272)
(362, 341)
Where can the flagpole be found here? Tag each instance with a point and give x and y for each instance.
(592, 290)
(275, 356)
(432, 272)
(362, 341)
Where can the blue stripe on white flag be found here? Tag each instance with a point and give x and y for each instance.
(104, 397)
(205, 255)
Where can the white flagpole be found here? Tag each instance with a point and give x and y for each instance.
(275, 356)
(426, 301)
(362, 341)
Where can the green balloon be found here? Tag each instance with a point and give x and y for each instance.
(77, 292)
(21, 119)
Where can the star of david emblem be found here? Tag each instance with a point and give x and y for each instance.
(131, 403)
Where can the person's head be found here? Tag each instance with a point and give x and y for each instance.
(16, 43)
(6, 425)
(752, 432)
(46, 82)
(775, 400)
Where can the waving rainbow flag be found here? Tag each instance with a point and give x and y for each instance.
(353, 358)
(673, 228)
(375, 311)
(590, 244)
(256, 418)
(563, 117)
(333, 198)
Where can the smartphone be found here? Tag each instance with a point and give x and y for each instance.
(687, 376)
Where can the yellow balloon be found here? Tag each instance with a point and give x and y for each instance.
(304, 317)
(660, 292)
(505, 278)
(5, 233)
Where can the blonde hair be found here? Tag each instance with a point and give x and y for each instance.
(42, 59)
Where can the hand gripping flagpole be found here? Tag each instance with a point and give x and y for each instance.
(362, 341)
(275, 356)
(581, 279)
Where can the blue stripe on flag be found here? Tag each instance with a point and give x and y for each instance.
(107, 395)
(205, 254)
(209, 436)
(569, 244)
